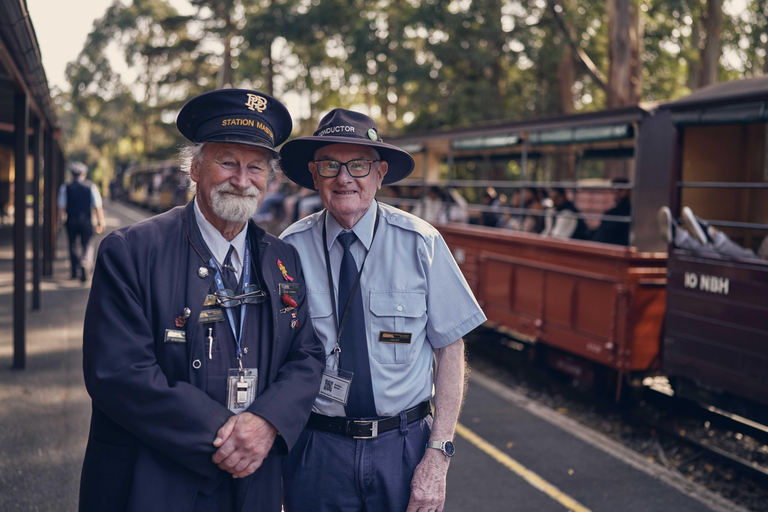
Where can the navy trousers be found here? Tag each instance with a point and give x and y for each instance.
(331, 473)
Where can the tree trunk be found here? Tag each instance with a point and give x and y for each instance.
(636, 36)
(224, 76)
(566, 67)
(710, 55)
(619, 54)
(694, 65)
(270, 70)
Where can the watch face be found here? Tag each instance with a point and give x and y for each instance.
(449, 448)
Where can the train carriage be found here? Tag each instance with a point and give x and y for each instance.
(584, 305)
(158, 186)
(716, 330)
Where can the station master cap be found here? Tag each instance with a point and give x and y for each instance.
(237, 116)
(78, 168)
(342, 126)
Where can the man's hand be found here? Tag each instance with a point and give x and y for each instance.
(243, 443)
(99, 229)
(428, 484)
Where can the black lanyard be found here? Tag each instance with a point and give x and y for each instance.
(330, 276)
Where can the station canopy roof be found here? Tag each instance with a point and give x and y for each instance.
(21, 66)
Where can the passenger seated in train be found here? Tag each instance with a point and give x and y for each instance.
(564, 221)
(703, 238)
(513, 221)
(613, 231)
(456, 206)
(531, 201)
(491, 200)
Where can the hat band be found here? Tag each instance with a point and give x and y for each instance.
(244, 124)
(342, 130)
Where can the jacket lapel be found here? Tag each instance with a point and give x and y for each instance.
(197, 288)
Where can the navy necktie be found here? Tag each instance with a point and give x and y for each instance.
(228, 271)
(353, 342)
(230, 282)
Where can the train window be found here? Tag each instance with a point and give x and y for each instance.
(725, 179)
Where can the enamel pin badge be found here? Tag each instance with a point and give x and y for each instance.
(284, 271)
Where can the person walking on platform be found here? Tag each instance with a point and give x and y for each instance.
(198, 351)
(386, 299)
(76, 200)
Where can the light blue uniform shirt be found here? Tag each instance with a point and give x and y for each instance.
(410, 284)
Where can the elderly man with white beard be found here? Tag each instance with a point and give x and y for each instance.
(199, 355)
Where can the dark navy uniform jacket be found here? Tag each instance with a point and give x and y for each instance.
(153, 425)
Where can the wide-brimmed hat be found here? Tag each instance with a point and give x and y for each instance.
(342, 126)
(237, 116)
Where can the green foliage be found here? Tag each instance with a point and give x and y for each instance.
(414, 65)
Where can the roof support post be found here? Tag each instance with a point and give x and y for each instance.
(37, 148)
(49, 204)
(21, 125)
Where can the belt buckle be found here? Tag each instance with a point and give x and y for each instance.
(374, 429)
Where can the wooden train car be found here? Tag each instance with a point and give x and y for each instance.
(716, 331)
(158, 186)
(584, 305)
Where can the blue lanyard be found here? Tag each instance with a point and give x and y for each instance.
(220, 286)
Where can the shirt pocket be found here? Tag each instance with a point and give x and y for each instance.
(402, 311)
(321, 312)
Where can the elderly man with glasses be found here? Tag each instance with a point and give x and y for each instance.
(199, 355)
(387, 300)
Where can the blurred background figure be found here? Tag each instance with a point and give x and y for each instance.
(532, 201)
(491, 200)
(612, 231)
(75, 202)
(564, 221)
(434, 210)
(456, 206)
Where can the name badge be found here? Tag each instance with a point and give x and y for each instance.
(241, 388)
(208, 316)
(335, 385)
(402, 338)
(172, 336)
(210, 300)
(288, 288)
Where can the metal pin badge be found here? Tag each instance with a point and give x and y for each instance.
(202, 272)
(186, 312)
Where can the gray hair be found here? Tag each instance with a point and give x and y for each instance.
(191, 154)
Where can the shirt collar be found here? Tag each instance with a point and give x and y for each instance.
(363, 229)
(219, 245)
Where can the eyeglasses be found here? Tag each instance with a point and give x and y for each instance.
(356, 168)
(251, 295)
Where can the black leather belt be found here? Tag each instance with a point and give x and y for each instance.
(365, 429)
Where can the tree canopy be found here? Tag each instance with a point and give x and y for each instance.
(413, 65)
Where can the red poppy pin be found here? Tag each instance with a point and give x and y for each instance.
(180, 321)
(284, 271)
(289, 301)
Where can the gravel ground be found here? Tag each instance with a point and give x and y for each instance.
(488, 354)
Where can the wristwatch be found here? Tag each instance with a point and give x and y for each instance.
(444, 446)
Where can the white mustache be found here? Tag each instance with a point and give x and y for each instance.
(228, 188)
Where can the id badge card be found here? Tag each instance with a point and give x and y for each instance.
(241, 388)
(335, 385)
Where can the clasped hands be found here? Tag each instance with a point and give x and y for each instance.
(243, 443)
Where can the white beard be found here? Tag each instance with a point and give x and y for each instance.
(233, 205)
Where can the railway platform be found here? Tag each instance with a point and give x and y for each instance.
(513, 454)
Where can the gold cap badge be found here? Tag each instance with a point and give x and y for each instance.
(256, 103)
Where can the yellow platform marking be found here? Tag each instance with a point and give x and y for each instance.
(520, 470)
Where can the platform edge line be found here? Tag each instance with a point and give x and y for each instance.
(526, 474)
(670, 478)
